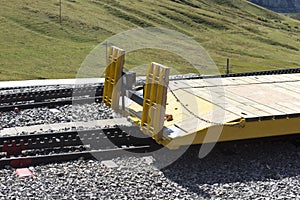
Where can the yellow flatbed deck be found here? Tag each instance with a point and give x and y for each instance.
(232, 108)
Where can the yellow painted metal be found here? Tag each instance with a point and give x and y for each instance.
(186, 128)
(193, 133)
(155, 97)
(250, 130)
(197, 105)
(113, 74)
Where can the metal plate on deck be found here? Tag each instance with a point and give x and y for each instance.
(173, 131)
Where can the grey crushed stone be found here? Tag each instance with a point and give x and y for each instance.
(262, 170)
(45, 115)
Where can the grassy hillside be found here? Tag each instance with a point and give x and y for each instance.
(294, 16)
(34, 45)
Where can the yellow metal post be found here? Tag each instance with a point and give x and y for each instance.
(155, 96)
(113, 74)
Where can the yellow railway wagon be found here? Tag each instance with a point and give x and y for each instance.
(213, 109)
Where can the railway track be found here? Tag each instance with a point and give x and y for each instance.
(241, 74)
(51, 94)
(34, 149)
(28, 150)
(51, 98)
(6, 90)
(50, 104)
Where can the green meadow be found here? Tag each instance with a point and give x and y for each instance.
(35, 45)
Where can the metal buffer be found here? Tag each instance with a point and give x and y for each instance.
(113, 74)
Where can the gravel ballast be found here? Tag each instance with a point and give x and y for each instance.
(60, 114)
(262, 170)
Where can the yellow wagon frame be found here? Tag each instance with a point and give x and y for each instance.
(246, 116)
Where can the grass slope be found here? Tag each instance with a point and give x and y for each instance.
(294, 16)
(34, 45)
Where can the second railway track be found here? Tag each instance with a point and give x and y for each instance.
(52, 97)
(27, 150)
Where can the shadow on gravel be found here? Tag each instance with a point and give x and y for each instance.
(236, 162)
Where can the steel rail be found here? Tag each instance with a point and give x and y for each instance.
(27, 87)
(27, 161)
(99, 141)
(241, 74)
(39, 96)
(115, 135)
(51, 104)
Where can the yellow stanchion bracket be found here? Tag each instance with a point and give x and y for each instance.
(155, 99)
(113, 75)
